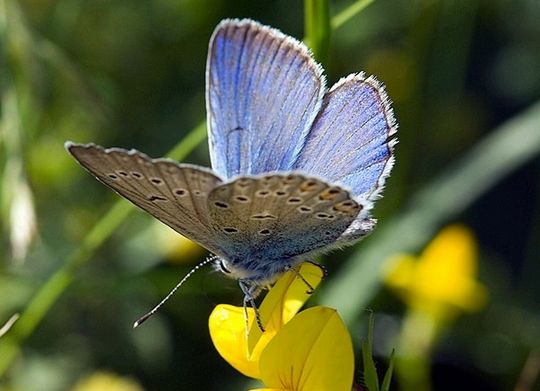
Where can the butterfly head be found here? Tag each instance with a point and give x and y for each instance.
(258, 271)
(224, 266)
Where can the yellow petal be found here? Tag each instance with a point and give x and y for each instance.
(227, 330)
(313, 352)
(282, 302)
(447, 268)
(267, 389)
(452, 252)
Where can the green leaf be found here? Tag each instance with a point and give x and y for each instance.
(388, 375)
(370, 371)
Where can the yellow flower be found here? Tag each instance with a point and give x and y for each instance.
(105, 381)
(227, 323)
(310, 351)
(441, 281)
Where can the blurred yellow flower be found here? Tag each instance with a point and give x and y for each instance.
(309, 351)
(106, 381)
(436, 286)
(174, 247)
(441, 281)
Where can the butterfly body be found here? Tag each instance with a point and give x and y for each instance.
(296, 168)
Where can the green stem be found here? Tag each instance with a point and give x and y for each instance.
(415, 343)
(344, 16)
(196, 136)
(317, 28)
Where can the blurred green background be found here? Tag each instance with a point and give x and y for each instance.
(464, 76)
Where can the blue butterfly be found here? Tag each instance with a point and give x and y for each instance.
(296, 167)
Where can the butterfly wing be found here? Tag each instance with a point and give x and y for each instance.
(269, 220)
(176, 194)
(350, 142)
(263, 93)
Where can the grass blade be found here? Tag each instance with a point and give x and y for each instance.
(348, 13)
(370, 371)
(388, 375)
(317, 28)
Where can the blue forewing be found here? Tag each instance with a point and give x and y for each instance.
(263, 93)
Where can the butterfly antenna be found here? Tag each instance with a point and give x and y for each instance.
(143, 318)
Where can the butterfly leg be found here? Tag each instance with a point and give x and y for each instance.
(311, 289)
(251, 291)
(301, 277)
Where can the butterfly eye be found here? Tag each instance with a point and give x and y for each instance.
(223, 267)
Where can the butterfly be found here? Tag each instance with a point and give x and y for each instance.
(295, 167)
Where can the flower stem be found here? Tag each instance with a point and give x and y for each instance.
(317, 28)
(341, 18)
